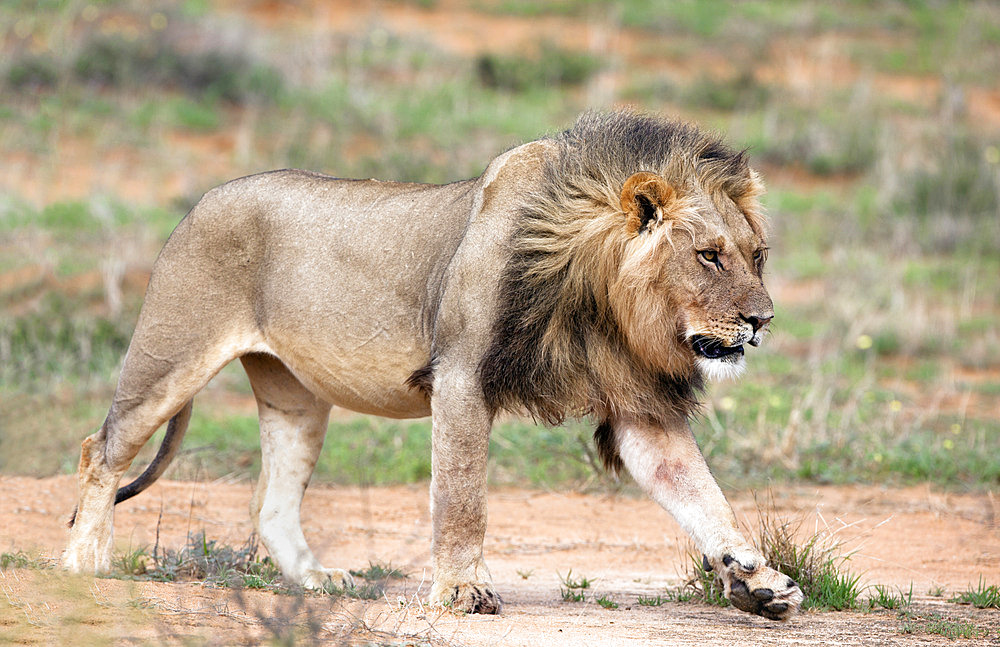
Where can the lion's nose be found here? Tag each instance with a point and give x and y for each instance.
(757, 322)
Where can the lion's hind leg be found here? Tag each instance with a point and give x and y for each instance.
(292, 427)
(149, 393)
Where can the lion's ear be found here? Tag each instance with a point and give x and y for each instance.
(645, 201)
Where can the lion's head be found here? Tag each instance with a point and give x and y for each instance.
(634, 275)
(690, 287)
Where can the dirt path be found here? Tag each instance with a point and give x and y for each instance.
(627, 545)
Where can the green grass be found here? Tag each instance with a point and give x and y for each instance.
(117, 62)
(570, 582)
(197, 116)
(552, 66)
(375, 451)
(22, 559)
(363, 591)
(200, 559)
(953, 629)
(378, 571)
(982, 597)
(884, 597)
(814, 562)
(825, 141)
(939, 626)
(573, 589)
(133, 562)
(705, 585)
(206, 560)
(606, 602)
(651, 601)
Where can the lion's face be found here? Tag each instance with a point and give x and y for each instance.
(693, 275)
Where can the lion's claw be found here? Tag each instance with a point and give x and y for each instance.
(763, 601)
(475, 598)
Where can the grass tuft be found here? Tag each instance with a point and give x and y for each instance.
(816, 563)
(553, 66)
(133, 562)
(705, 586)
(33, 72)
(570, 583)
(377, 571)
(981, 597)
(649, 601)
(238, 567)
(21, 559)
(364, 591)
(606, 602)
(952, 629)
(572, 590)
(116, 62)
(885, 598)
(200, 559)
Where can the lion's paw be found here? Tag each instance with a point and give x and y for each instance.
(755, 588)
(324, 578)
(472, 597)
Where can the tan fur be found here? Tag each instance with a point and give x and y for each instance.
(565, 280)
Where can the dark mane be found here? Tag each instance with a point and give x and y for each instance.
(556, 349)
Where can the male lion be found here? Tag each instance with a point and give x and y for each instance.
(605, 271)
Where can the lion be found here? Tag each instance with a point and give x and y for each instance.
(606, 271)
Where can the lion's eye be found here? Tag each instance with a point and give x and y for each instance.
(759, 257)
(710, 255)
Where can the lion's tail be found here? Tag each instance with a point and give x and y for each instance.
(168, 449)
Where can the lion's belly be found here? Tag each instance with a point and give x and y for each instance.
(347, 289)
(364, 372)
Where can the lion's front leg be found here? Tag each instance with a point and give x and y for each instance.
(460, 440)
(669, 466)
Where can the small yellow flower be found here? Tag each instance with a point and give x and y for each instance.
(864, 342)
(877, 458)
(895, 406)
(948, 444)
(956, 429)
(727, 403)
(774, 401)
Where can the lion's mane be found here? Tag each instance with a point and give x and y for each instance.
(557, 347)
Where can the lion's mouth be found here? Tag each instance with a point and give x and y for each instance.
(713, 348)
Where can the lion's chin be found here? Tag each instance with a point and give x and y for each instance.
(719, 370)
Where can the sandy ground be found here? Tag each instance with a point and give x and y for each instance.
(627, 545)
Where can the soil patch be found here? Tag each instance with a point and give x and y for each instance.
(627, 545)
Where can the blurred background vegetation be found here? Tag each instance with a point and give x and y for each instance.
(876, 126)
